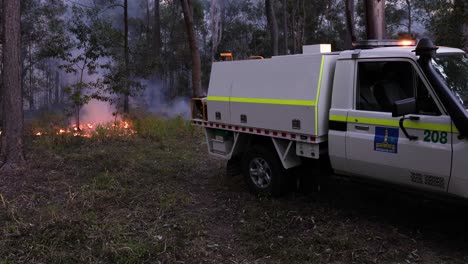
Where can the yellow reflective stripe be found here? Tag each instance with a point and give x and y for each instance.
(262, 101)
(395, 123)
(218, 98)
(337, 118)
(428, 126)
(373, 121)
(317, 97)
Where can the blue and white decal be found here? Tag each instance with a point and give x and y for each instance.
(386, 139)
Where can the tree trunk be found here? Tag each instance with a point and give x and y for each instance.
(350, 32)
(375, 19)
(31, 76)
(294, 26)
(460, 12)
(285, 27)
(57, 87)
(12, 136)
(410, 19)
(272, 25)
(148, 22)
(126, 89)
(49, 86)
(187, 8)
(216, 27)
(157, 29)
(465, 31)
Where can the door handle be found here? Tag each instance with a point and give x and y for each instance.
(363, 128)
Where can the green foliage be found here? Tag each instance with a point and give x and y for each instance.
(244, 31)
(83, 54)
(46, 120)
(88, 38)
(396, 17)
(447, 21)
(157, 128)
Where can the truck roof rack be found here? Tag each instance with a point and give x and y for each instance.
(376, 43)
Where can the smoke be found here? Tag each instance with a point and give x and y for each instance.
(155, 98)
(97, 112)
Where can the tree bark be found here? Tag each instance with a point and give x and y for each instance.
(460, 13)
(350, 31)
(126, 107)
(294, 26)
(285, 27)
(410, 19)
(465, 30)
(157, 29)
(57, 87)
(187, 8)
(375, 19)
(31, 76)
(12, 137)
(272, 25)
(216, 27)
(148, 22)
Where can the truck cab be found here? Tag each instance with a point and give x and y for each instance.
(423, 149)
(387, 111)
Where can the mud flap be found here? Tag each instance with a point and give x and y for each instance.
(233, 167)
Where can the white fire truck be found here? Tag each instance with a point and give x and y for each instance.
(386, 110)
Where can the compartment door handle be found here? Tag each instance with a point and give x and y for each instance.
(363, 128)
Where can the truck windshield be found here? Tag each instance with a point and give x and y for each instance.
(453, 68)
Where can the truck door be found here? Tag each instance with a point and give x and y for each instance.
(376, 146)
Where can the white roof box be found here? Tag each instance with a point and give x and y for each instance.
(315, 49)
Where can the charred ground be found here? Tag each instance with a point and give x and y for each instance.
(158, 197)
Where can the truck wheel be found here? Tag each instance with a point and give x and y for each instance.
(263, 171)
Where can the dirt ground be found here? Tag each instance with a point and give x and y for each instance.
(137, 200)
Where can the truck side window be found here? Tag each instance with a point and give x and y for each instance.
(381, 84)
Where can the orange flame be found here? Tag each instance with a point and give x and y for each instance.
(118, 128)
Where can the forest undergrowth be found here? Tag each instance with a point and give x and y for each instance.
(155, 196)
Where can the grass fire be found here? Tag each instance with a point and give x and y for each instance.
(229, 131)
(116, 128)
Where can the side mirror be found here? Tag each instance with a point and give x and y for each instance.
(404, 107)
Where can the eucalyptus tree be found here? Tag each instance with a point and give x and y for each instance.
(188, 10)
(12, 155)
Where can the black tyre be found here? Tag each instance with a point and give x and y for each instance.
(263, 171)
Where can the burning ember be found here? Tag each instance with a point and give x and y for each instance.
(118, 128)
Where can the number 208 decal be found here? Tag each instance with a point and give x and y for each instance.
(435, 137)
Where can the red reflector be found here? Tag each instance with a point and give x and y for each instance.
(230, 127)
(275, 133)
(267, 132)
(211, 124)
(283, 134)
(237, 128)
(259, 131)
(217, 125)
(223, 126)
(293, 136)
(243, 129)
(251, 129)
(312, 139)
